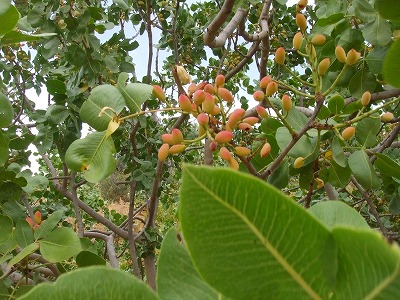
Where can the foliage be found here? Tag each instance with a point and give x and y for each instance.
(299, 98)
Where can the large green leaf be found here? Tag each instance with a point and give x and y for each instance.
(391, 65)
(48, 225)
(6, 111)
(375, 59)
(6, 228)
(97, 282)
(361, 82)
(387, 166)
(4, 148)
(60, 244)
(339, 176)
(378, 32)
(296, 119)
(367, 130)
(303, 147)
(92, 155)
(337, 213)
(9, 19)
(102, 96)
(363, 170)
(87, 258)
(177, 277)
(23, 233)
(15, 37)
(364, 10)
(135, 94)
(369, 262)
(389, 9)
(336, 104)
(4, 5)
(29, 249)
(241, 243)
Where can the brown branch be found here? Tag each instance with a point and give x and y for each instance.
(252, 50)
(377, 96)
(131, 238)
(109, 239)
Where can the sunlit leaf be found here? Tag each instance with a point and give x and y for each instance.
(363, 170)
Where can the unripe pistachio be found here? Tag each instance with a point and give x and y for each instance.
(184, 77)
(184, 103)
(298, 162)
(159, 93)
(220, 80)
(258, 95)
(251, 120)
(366, 98)
(167, 138)
(348, 133)
(212, 146)
(30, 221)
(195, 113)
(192, 88)
(262, 112)
(225, 154)
(297, 40)
(37, 217)
(301, 21)
(233, 164)
(223, 137)
(208, 103)
(318, 39)
(302, 4)
(245, 127)
(209, 88)
(35, 227)
(201, 130)
(177, 136)
(216, 110)
(280, 55)
(265, 150)
(323, 66)
(163, 152)
(387, 117)
(264, 81)
(199, 96)
(352, 57)
(175, 149)
(203, 119)
(225, 94)
(242, 151)
(235, 117)
(320, 183)
(286, 102)
(340, 54)
(272, 88)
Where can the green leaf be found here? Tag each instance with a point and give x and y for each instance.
(303, 147)
(4, 6)
(296, 119)
(369, 262)
(270, 125)
(97, 282)
(87, 258)
(9, 19)
(60, 244)
(394, 205)
(55, 86)
(351, 39)
(177, 277)
(364, 10)
(336, 104)
(237, 218)
(280, 177)
(388, 9)
(48, 225)
(387, 166)
(391, 65)
(339, 176)
(361, 82)
(122, 4)
(4, 149)
(102, 96)
(57, 114)
(24, 253)
(375, 59)
(23, 233)
(135, 94)
(35, 183)
(10, 191)
(363, 170)
(15, 37)
(6, 228)
(93, 155)
(367, 131)
(336, 213)
(6, 111)
(377, 32)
